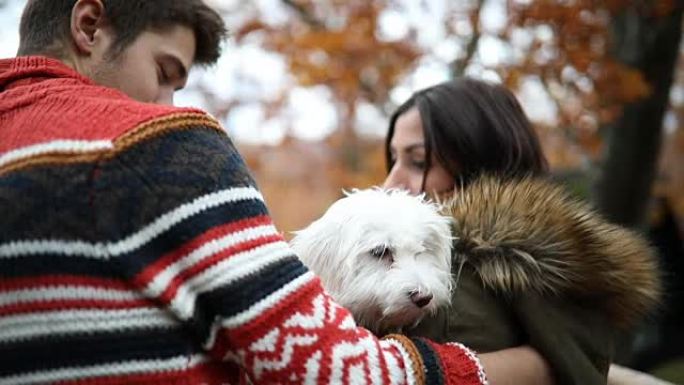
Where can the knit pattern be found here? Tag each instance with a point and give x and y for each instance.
(135, 248)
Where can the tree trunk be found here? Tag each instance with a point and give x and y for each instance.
(633, 142)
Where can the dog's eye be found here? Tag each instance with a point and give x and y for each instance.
(382, 252)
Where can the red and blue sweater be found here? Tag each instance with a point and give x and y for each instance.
(135, 248)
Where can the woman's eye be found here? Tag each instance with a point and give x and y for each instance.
(382, 252)
(418, 164)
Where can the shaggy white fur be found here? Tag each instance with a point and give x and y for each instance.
(384, 255)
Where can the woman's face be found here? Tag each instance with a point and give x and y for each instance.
(408, 153)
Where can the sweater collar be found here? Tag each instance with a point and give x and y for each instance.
(26, 70)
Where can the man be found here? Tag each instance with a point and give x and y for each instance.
(134, 245)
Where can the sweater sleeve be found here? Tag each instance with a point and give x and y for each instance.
(196, 237)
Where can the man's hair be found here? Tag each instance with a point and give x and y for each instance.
(46, 23)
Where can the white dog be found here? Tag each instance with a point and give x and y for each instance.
(384, 255)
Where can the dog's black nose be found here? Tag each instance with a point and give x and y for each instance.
(421, 299)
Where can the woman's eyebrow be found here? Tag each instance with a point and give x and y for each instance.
(413, 147)
(408, 149)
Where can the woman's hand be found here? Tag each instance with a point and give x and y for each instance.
(619, 375)
(515, 366)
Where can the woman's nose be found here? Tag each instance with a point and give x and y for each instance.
(394, 179)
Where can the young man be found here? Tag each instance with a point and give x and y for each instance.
(134, 245)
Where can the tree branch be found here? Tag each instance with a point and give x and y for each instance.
(304, 14)
(459, 66)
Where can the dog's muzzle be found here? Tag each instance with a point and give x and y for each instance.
(420, 299)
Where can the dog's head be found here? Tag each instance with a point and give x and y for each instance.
(384, 255)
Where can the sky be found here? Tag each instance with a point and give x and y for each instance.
(248, 73)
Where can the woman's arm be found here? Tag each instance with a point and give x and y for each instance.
(524, 365)
(619, 375)
(515, 366)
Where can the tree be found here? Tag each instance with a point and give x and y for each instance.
(634, 142)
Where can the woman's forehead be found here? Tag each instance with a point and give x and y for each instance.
(408, 130)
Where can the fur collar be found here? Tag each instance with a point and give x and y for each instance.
(531, 235)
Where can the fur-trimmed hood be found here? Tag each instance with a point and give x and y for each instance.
(531, 235)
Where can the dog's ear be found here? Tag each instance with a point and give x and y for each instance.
(319, 247)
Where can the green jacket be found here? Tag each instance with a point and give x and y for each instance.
(534, 267)
(577, 343)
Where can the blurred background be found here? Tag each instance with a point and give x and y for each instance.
(305, 88)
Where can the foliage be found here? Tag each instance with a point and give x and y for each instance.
(349, 57)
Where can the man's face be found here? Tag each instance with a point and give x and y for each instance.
(150, 69)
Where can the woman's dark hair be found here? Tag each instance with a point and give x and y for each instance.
(46, 22)
(473, 127)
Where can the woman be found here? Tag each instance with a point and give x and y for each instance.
(439, 141)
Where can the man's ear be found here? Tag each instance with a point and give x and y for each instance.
(87, 18)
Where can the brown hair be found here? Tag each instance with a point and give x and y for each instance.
(45, 22)
(473, 127)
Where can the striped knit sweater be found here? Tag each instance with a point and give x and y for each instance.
(136, 249)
